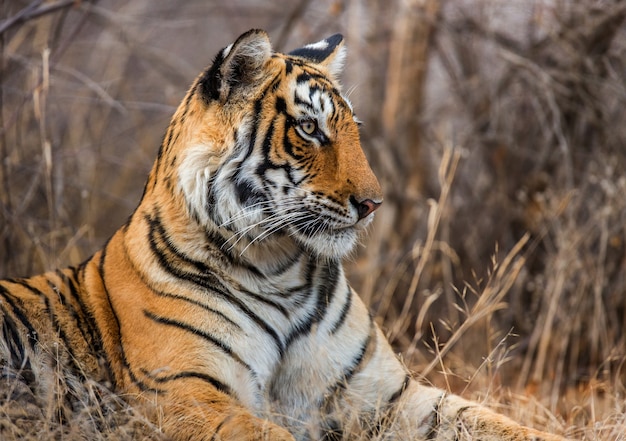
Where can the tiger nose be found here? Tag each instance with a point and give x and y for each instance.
(365, 207)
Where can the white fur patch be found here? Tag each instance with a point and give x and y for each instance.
(319, 46)
(193, 177)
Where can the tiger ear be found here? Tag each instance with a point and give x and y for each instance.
(330, 53)
(238, 67)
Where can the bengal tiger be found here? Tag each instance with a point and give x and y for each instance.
(223, 300)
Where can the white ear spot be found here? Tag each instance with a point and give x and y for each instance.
(227, 50)
(329, 53)
(318, 46)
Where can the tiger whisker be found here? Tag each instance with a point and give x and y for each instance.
(270, 230)
(269, 206)
(267, 222)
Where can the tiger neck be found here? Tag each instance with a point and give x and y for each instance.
(162, 245)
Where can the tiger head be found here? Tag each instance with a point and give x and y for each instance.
(265, 147)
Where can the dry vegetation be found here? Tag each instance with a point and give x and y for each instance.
(497, 264)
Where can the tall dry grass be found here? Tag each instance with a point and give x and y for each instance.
(496, 264)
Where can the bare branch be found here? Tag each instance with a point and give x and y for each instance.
(35, 10)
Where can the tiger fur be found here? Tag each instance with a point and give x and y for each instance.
(223, 300)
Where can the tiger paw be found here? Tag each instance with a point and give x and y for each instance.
(480, 423)
(251, 429)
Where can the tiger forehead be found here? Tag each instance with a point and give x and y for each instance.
(296, 65)
(304, 81)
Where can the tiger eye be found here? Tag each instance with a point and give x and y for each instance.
(308, 126)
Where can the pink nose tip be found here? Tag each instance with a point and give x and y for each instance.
(365, 207)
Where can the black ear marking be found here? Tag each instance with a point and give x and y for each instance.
(320, 51)
(210, 81)
(237, 67)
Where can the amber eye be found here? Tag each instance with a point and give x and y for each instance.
(308, 126)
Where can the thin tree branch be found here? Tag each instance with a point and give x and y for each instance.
(34, 10)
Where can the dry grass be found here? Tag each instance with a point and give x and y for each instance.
(497, 262)
(99, 415)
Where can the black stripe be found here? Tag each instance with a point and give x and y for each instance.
(287, 145)
(281, 106)
(189, 300)
(247, 193)
(125, 364)
(53, 315)
(217, 384)
(313, 89)
(356, 363)
(74, 314)
(18, 360)
(214, 238)
(258, 108)
(165, 146)
(303, 77)
(224, 347)
(386, 414)
(156, 226)
(348, 373)
(199, 304)
(333, 431)
(219, 427)
(344, 312)
(76, 280)
(211, 207)
(188, 98)
(283, 268)
(397, 394)
(267, 163)
(19, 314)
(261, 298)
(326, 284)
(457, 417)
(309, 73)
(266, 149)
(435, 420)
(219, 245)
(302, 103)
(208, 280)
(158, 235)
(12, 338)
(288, 66)
(87, 321)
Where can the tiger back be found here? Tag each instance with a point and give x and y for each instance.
(223, 301)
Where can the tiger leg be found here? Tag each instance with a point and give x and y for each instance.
(443, 416)
(208, 415)
(394, 406)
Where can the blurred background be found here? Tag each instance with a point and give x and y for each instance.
(497, 128)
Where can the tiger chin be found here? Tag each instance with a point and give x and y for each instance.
(223, 301)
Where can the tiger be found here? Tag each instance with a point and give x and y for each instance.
(222, 303)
